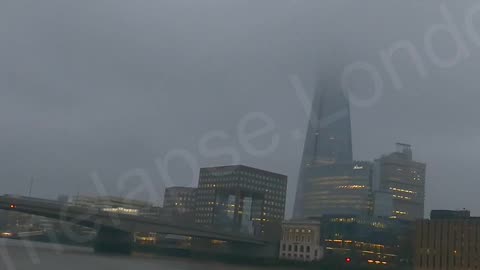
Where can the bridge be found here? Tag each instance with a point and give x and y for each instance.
(115, 231)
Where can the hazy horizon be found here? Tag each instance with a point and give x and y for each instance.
(97, 95)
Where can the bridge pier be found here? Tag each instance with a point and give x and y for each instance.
(111, 240)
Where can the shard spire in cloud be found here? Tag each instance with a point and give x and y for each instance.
(328, 142)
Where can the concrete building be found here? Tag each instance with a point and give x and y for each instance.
(449, 240)
(240, 198)
(112, 204)
(179, 200)
(301, 241)
(404, 179)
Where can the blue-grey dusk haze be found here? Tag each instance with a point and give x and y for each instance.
(127, 97)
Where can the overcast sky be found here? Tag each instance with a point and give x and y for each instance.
(97, 95)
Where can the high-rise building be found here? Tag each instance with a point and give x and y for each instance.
(240, 198)
(398, 175)
(359, 190)
(449, 240)
(179, 200)
(329, 181)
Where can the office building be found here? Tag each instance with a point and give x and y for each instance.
(403, 178)
(301, 241)
(179, 200)
(382, 204)
(327, 163)
(359, 197)
(240, 198)
(449, 240)
(367, 240)
(338, 189)
(449, 214)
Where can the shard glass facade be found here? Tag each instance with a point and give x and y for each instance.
(330, 182)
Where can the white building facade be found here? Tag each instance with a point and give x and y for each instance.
(301, 241)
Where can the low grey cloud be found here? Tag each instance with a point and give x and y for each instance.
(109, 86)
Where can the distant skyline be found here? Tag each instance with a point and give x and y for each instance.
(96, 96)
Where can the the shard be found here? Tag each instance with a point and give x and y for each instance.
(327, 184)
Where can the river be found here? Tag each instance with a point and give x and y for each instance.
(24, 255)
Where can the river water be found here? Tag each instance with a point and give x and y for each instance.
(23, 255)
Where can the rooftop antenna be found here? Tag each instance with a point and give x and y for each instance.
(78, 191)
(30, 188)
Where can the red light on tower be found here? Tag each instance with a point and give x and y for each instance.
(13, 206)
(348, 260)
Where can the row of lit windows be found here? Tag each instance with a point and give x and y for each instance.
(358, 244)
(402, 213)
(187, 198)
(331, 200)
(200, 220)
(204, 215)
(205, 185)
(274, 203)
(215, 172)
(270, 209)
(255, 186)
(269, 200)
(204, 209)
(184, 204)
(297, 238)
(273, 183)
(296, 248)
(352, 187)
(274, 213)
(264, 180)
(300, 230)
(402, 197)
(205, 218)
(236, 185)
(403, 190)
(274, 197)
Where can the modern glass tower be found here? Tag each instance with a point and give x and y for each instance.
(403, 181)
(328, 183)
